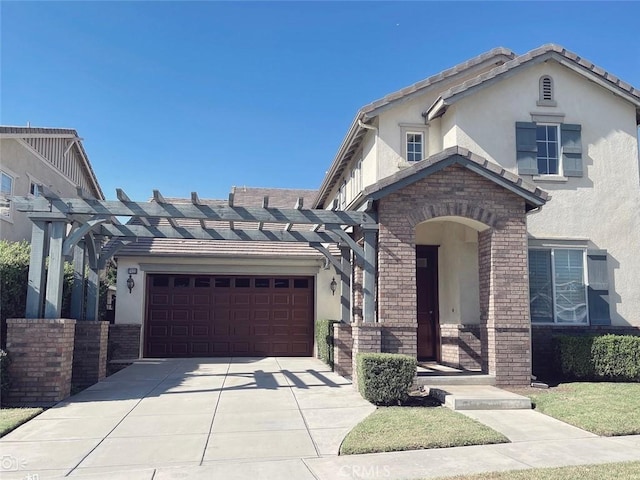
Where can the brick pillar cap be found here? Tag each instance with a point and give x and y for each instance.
(41, 321)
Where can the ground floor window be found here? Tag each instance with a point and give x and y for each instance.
(557, 285)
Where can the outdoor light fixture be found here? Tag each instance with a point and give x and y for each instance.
(130, 282)
(333, 285)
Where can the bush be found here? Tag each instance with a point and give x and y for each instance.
(14, 280)
(4, 374)
(324, 340)
(385, 378)
(605, 357)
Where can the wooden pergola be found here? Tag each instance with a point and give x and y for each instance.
(87, 231)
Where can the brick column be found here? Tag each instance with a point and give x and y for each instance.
(90, 353)
(41, 352)
(504, 302)
(123, 346)
(342, 347)
(367, 337)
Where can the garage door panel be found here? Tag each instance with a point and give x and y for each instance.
(160, 299)
(229, 315)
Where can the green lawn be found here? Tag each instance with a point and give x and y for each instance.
(606, 409)
(391, 429)
(11, 418)
(609, 471)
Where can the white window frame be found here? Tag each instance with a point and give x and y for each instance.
(13, 177)
(33, 181)
(559, 173)
(407, 129)
(585, 281)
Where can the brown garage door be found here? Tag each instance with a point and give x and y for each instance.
(214, 315)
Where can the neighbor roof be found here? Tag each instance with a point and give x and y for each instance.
(7, 131)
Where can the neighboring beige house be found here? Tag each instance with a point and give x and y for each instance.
(35, 158)
(506, 191)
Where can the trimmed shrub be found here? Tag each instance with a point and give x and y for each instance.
(4, 375)
(605, 357)
(14, 278)
(385, 378)
(324, 340)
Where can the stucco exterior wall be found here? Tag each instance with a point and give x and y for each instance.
(601, 206)
(130, 307)
(25, 167)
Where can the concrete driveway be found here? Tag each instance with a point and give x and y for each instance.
(191, 413)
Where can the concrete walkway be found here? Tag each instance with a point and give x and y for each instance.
(271, 419)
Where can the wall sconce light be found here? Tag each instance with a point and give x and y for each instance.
(130, 281)
(333, 285)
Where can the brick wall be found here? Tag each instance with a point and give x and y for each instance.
(366, 338)
(461, 346)
(342, 347)
(399, 339)
(41, 353)
(502, 252)
(124, 341)
(90, 353)
(541, 336)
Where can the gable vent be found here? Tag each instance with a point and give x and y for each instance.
(546, 92)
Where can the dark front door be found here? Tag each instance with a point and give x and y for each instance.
(427, 299)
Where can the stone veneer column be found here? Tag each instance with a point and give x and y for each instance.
(342, 347)
(90, 353)
(41, 352)
(366, 339)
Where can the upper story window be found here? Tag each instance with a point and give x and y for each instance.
(415, 146)
(342, 196)
(545, 92)
(547, 142)
(6, 191)
(549, 149)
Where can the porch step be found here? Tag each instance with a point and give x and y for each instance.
(479, 397)
(430, 380)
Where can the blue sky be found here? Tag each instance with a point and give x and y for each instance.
(200, 96)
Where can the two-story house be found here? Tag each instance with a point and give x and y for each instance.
(33, 159)
(506, 192)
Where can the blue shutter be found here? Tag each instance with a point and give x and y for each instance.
(598, 287)
(526, 148)
(570, 136)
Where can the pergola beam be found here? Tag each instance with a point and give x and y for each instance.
(225, 213)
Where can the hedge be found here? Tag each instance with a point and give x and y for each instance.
(324, 340)
(385, 378)
(604, 357)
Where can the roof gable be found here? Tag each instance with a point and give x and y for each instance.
(533, 196)
(542, 54)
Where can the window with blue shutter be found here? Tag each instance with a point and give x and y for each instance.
(549, 149)
(599, 312)
(527, 148)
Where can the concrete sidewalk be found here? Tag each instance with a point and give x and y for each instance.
(271, 419)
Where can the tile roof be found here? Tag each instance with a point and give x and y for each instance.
(534, 195)
(536, 55)
(243, 196)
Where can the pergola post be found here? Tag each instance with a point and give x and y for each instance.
(55, 276)
(77, 292)
(369, 274)
(93, 294)
(345, 285)
(37, 276)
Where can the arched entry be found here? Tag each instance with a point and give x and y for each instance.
(447, 286)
